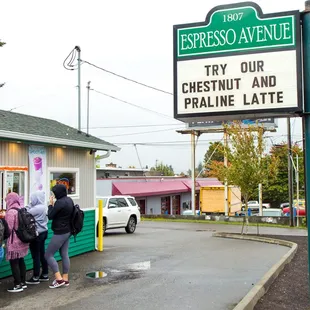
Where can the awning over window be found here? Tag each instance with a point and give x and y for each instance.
(141, 189)
(200, 183)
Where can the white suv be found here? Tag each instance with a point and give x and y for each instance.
(119, 212)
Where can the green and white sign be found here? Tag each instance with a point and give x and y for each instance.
(239, 61)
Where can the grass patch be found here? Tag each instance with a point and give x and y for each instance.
(217, 222)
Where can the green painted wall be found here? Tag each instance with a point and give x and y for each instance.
(85, 242)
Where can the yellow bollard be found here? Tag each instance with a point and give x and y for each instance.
(100, 226)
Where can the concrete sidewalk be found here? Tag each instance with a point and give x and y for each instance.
(163, 265)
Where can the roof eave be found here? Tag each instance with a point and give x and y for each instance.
(17, 136)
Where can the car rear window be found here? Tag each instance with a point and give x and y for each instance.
(132, 201)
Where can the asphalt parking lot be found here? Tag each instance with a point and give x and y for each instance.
(162, 266)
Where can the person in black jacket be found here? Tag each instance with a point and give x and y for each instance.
(5, 234)
(60, 212)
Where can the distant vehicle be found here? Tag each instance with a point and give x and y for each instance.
(255, 204)
(266, 205)
(300, 212)
(270, 212)
(119, 212)
(190, 212)
(284, 205)
(252, 202)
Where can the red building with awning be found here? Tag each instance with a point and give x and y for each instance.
(156, 195)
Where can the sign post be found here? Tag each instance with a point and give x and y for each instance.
(231, 66)
(306, 67)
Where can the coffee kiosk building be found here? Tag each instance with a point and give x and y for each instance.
(37, 153)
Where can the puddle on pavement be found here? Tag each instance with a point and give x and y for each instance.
(126, 272)
(200, 230)
(96, 275)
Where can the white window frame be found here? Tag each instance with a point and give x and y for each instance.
(26, 193)
(68, 170)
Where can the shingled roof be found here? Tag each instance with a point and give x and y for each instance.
(22, 127)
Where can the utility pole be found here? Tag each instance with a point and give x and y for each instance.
(226, 209)
(88, 89)
(79, 86)
(296, 169)
(297, 188)
(290, 183)
(260, 198)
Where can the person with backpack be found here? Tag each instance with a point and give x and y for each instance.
(16, 249)
(61, 213)
(38, 209)
(4, 234)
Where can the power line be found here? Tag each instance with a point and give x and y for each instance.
(132, 104)
(139, 133)
(201, 142)
(162, 142)
(127, 79)
(131, 126)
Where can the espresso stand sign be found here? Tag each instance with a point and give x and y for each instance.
(238, 64)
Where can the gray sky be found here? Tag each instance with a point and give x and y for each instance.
(132, 38)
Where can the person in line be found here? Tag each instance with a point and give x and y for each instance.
(4, 235)
(38, 209)
(16, 250)
(60, 212)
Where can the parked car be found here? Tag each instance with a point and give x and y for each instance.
(119, 212)
(255, 204)
(300, 212)
(284, 205)
(252, 202)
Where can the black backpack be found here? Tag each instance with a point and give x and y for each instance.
(77, 221)
(26, 230)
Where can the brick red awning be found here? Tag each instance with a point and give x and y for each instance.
(141, 189)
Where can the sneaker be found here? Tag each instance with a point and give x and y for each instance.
(67, 283)
(16, 289)
(57, 283)
(44, 278)
(33, 281)
(24, 285)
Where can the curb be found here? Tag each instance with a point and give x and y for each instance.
(249, 301)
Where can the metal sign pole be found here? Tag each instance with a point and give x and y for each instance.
(306, 67)
(226, 183)
(193, 172)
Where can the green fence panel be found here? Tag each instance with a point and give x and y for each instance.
(85, 242)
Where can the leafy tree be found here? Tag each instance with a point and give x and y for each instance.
(97, 158)
(164, 170)
(246, 167)
(215, 152)
(275, 191)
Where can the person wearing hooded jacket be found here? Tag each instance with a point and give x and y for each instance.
(60, 213)
(16, 250)
(38, 209)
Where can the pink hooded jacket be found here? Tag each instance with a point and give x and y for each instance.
(14, 247)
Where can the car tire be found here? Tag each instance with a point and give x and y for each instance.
(131, 226)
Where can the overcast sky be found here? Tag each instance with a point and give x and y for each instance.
(132, 38)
